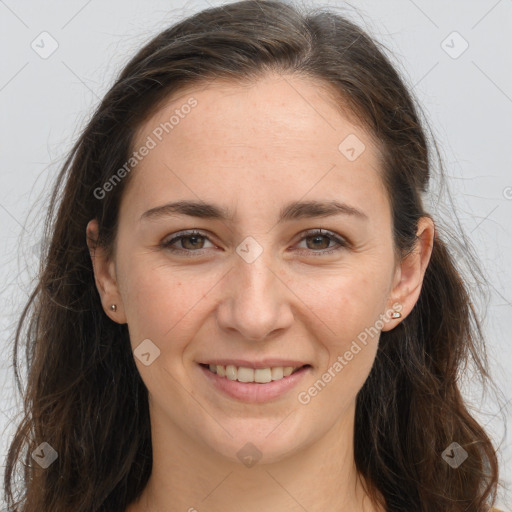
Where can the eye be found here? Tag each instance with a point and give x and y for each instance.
(190, 242)
(193, 241)
(316, 235)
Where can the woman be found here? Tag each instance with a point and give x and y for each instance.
(244, 304)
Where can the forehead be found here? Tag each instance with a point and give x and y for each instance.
(288, 106)
(278, 136)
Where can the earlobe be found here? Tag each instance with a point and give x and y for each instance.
(104, 275)
(411, 272)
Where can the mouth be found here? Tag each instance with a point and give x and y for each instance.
(253, 385)
(255, 375)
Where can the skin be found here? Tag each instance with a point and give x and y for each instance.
(252, 149)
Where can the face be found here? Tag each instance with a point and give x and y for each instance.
(261, 287)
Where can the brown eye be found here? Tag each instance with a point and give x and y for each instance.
(189, 242)
(192, 242)
(320, 241)
(317, 241)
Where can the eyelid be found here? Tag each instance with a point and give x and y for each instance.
(184, 234)
(341, 241)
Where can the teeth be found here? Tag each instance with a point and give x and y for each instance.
(277, 373)
(231, 372)
(245, 374)
(287, 370)
(260, 375)
(263, 375)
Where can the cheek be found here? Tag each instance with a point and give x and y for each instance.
(161, 303)
(351, 311)
(349, 300)
(348, 349)
(351, 306)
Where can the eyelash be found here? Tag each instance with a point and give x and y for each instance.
(342, 243)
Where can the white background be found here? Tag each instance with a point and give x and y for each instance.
(45, 102)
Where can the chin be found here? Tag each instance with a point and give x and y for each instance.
(259, 442)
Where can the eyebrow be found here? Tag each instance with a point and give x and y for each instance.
(292, 211)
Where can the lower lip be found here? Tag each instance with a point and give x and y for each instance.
(255, 392)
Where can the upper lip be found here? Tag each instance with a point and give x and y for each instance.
(265, 363)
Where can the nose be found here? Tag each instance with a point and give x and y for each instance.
(257, 301)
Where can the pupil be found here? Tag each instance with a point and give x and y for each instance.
(317, 237)
(193, 239)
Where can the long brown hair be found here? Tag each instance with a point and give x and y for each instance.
(84, 395)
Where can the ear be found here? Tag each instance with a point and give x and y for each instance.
(104, 275)
(410, 273)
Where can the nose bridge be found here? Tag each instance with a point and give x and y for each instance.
(256, 303)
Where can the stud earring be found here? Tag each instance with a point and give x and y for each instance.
(113, 307)
(396, 314)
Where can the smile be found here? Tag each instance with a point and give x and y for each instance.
(259, 375)
(255, 385)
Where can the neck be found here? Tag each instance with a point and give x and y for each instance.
(193, 478)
